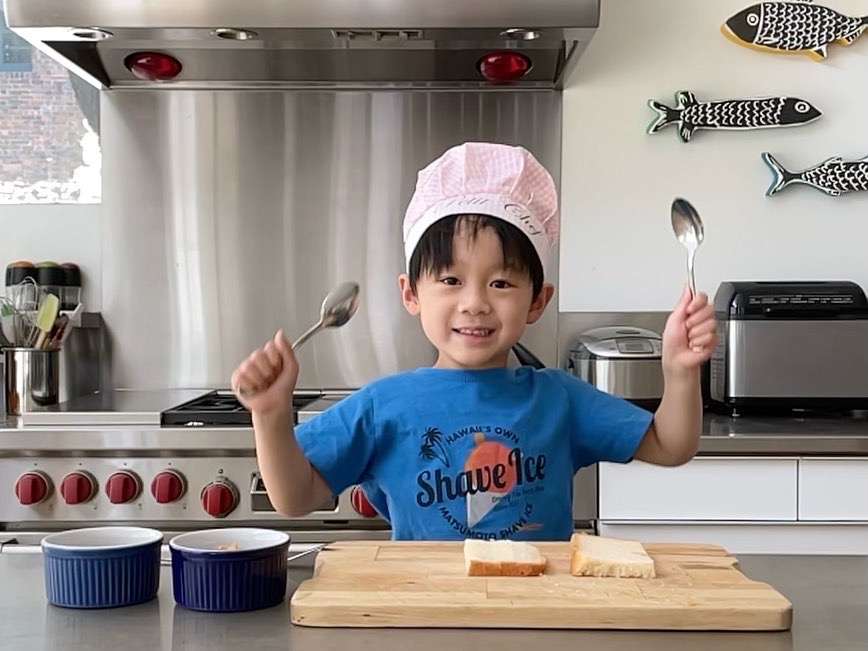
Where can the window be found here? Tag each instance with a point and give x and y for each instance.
(15, 52)
(49, 128)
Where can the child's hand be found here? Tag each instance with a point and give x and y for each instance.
(266, 379)
(690, 336)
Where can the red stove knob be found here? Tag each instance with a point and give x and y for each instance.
(32, 487)
(168, 486)
(123, 487)
(219, 498)
(78, 487)
(361, 504)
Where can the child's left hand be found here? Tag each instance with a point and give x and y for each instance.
(690, 335)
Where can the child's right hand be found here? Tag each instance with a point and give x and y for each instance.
(266, 380)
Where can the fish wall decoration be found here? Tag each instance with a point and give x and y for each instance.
(755, 113)
(793, 28)
(834, 176)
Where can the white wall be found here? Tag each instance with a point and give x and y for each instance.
(617, 251)
(57, 232)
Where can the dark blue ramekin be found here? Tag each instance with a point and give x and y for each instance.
(102, 567)
(249, 577)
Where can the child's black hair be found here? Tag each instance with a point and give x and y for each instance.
(433, 254)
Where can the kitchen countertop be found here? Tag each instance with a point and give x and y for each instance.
(113, 408)
(780, 435)
(829, 596)
(130, 420)
(722, 436)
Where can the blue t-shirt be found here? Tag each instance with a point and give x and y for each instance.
(448, 454)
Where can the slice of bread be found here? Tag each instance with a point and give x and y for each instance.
(502, 558)
(600, 556)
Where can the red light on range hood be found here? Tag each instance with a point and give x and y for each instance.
(153, 66)
(503, 66)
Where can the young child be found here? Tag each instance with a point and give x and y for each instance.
(471, 448)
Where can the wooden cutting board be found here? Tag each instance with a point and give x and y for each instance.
(423, 584)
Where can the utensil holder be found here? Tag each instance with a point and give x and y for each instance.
(32, 378)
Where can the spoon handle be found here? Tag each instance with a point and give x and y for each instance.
(247, 393)
(307, 334)
(690, 278)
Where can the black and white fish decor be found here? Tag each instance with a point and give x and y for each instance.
(756, 113)
(834, 176)
(793, 28)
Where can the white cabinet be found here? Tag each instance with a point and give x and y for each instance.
(705, 489)
(833, 490)
(808, 505)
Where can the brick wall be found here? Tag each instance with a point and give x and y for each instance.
(40, 124)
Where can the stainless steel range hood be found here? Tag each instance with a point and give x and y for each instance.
(311, 43)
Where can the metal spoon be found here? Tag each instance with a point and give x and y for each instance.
(337, 308)
(689, 231)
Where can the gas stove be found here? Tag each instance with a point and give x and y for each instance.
(174, 460)
(222, 408)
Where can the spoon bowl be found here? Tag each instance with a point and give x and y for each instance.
(689, 231)
(338, 307)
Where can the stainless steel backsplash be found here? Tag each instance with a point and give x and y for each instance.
(228, 215)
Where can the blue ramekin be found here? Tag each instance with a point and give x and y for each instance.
(102, 567)
(205, 577)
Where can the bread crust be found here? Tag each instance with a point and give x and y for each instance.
(478, 567)
(577, 559)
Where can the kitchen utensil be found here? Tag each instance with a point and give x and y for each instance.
(337, 308)
(57, 331)
(420, 584)
(248, 576)
(17, 324)
(21, 286)
(45, 318)
(102, 567)
(7, 322)
(690, 231)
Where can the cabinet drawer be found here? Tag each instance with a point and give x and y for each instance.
(706, 488)
(833, 489)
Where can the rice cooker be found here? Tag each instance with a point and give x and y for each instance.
(621, 360)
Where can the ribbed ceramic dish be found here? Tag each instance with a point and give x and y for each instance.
(205, 577)
(102, 567)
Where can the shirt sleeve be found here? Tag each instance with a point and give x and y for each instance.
(340, 441)
(605, 427)
(377, 498)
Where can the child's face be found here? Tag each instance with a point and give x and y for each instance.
(474, 311)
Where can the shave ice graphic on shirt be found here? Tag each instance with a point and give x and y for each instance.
(488, 463)
(480, 480)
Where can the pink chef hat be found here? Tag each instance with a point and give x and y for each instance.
(487, 179)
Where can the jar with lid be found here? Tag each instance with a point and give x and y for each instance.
(22, 285)
(51, 278)
(71, 292)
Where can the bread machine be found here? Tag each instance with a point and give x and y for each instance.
(621, 360)
(790, 346)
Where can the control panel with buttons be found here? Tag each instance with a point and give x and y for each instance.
(187, 489)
